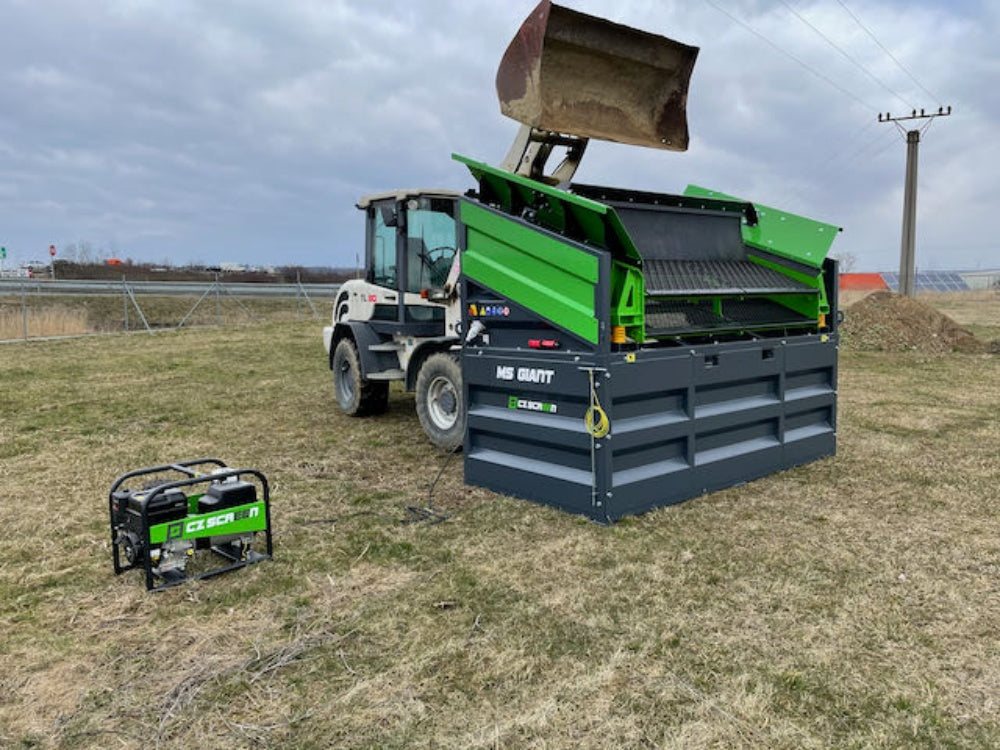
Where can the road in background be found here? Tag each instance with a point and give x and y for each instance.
(163, 288)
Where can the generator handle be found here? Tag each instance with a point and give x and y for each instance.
(181, 466)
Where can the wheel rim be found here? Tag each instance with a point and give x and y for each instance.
(442, 403)
(345, 384)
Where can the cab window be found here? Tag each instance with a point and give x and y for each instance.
(383, 247)
(430, 242)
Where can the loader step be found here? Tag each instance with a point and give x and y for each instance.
(387, 346)
(387, 375)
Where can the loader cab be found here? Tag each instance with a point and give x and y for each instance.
(411, 241)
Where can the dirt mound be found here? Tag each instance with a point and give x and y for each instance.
(888, 322)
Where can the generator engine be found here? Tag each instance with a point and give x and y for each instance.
(131, 531)
(188, 508)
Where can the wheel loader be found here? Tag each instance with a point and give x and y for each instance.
(601, 349)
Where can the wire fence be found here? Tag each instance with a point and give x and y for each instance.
(48, 309)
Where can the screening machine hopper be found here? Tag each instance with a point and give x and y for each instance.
(628, 349)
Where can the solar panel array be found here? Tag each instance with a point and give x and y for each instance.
(930, 281)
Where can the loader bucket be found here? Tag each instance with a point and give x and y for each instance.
(577, 74)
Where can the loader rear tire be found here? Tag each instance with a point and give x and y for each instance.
(356, 396)
(440, 403)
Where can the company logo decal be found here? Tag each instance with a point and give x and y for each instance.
(513, 402)
(223, 519)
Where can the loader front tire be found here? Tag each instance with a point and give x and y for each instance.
(440, 403)
(356, 396)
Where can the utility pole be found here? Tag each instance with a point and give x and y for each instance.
(907, 259)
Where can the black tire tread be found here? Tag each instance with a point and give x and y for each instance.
(372, 397)
(452, 440)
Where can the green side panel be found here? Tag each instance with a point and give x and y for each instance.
(553, 279)
(789, 235)
(241, 519)
(598, 223)
(628, 298)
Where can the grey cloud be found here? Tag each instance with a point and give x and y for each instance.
(246, 130)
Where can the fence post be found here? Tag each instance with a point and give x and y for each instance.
(125, 301)
(24, 311)
(300, 291)
(218, 303)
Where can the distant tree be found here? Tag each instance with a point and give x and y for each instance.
(848, 260)
(84, 253)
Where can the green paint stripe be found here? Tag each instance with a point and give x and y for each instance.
(216, 523)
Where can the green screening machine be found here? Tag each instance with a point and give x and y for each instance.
(622, 349)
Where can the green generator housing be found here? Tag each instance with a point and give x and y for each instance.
(627, 349)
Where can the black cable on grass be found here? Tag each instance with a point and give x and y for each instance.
(444, 465)
(412, 513)
(348, 516)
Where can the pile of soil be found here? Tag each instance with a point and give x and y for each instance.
(887, 322)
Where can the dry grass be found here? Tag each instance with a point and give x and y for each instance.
(56, 320)
(974, 310)
(853, 602)
(67, 315)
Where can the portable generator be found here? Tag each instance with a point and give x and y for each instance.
(184, 515)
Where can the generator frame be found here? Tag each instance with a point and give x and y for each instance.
(191, 478)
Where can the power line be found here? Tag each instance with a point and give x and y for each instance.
(848, 57)
(891, 56)
(880, 139)
(880, 142)
(788, 54)
(851, 142)
(794, 198)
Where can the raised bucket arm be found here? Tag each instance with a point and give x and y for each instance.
(569, 76)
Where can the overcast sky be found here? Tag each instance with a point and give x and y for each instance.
(245, 130)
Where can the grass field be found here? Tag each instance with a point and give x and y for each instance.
(854, 602)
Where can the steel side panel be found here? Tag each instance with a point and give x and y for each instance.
(536, 455)
(736, 431)
(570, 496)
(684, 422)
